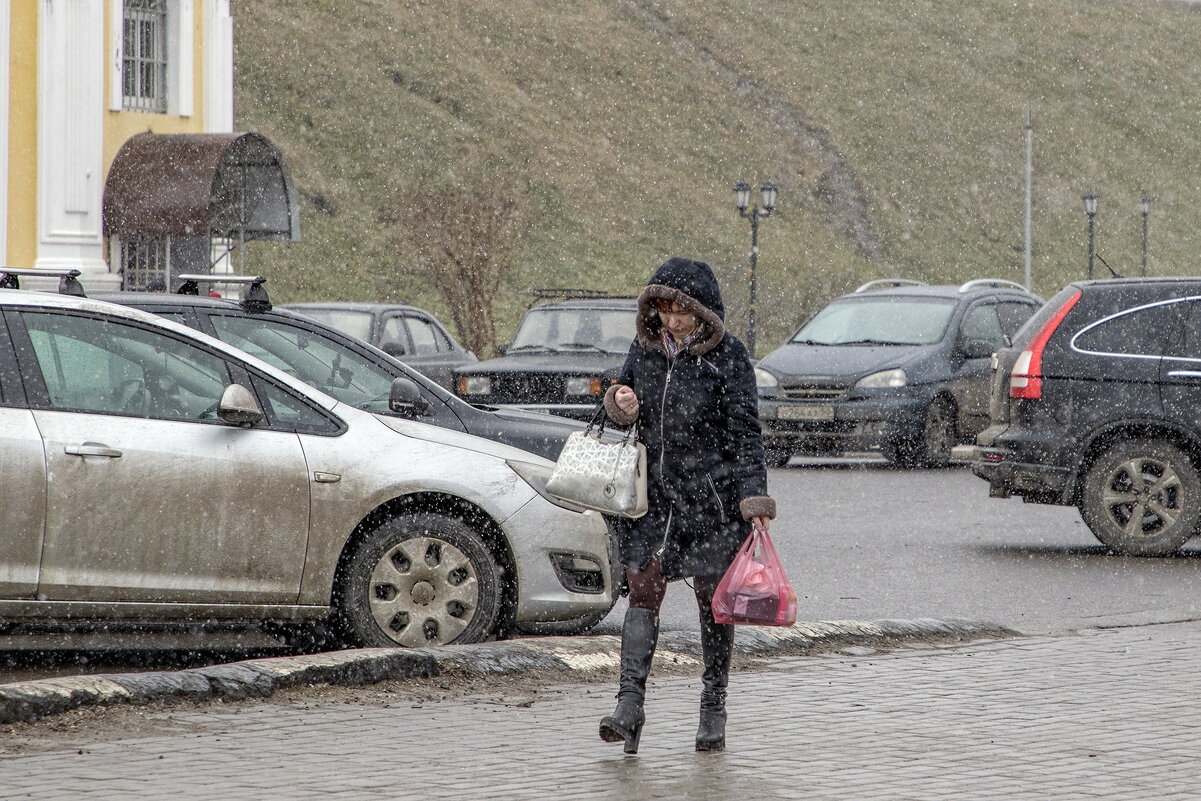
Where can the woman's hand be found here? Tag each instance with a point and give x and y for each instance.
(626, 400)
(761, 522)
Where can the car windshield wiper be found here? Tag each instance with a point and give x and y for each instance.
(523, 348)
(868, 342)
(581, 346)
(808, 342)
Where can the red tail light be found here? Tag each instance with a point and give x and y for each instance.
(1026, 378)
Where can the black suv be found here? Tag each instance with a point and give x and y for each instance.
(563, 357)
(1098, 405)
(896, 366)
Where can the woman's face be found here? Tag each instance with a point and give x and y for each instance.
(676, 318)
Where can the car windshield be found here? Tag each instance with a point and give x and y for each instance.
(597, 330)
(320, 362)
(355, 323)
(878, 321)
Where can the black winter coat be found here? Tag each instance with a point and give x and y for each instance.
(698, 418)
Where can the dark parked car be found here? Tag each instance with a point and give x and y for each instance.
(896, 366)
(407, 333)
(563, 357)
(342, 365)
(1097, 405)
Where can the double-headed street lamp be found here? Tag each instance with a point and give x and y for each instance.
(1144, 208)
(742, 199)
(1090, 208)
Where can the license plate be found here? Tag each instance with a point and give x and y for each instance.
(810, 411)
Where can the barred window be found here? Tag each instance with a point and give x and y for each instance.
(144, 264)
(144, 64)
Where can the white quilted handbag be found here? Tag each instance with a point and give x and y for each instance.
(607, 476)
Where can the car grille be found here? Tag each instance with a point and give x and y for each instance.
(528, 388)
(811, 393)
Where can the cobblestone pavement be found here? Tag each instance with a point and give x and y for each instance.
(1102, 714)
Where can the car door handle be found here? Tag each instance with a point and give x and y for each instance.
(1185, 374)
(92, 449)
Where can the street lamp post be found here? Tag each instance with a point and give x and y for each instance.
(1144, 208)
(742, 199)
(1090, 208)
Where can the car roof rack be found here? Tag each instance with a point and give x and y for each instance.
(882, 282)
(67, 279)
(254, 301)
(996, 283)
(546, 293)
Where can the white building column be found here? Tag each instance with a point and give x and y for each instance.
(71, 136)
(218, 67)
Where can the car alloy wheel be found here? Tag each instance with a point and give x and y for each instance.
(421, 580)
(1142, 498)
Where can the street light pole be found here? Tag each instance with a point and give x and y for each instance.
(1144, 207)
(1090, 208)
(742, 200)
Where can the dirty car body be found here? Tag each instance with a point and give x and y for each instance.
(169, 478)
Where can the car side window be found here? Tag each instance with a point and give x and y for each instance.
(425, 338)
(287, 412)
(1144, 331)
(981, 323)
(96, 365)
(1012, 315)
(393, 332)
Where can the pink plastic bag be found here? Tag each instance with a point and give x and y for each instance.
(755, 590)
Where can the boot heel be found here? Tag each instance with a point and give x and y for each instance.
(631, 746)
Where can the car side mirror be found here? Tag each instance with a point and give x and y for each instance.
(977, 349)
(238, 406)
(406, 399)
(393, 349)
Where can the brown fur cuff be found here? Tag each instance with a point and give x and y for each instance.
(615, 413)
(758, 506)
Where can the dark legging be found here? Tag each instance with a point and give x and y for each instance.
(647, 588)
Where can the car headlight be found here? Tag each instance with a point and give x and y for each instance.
(885, 379)
(475, 385)
(765, 380)
(582, 386)
(536, 475)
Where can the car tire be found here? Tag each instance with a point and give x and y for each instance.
(777, 455)
(419, 580)
(1142, 498)
(932, 448)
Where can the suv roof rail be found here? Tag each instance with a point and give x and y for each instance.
(67, 279)
(881, 282)
(546, 293)
(255, 300)
(997, 283)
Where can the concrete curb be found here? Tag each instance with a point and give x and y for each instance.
(260, 678)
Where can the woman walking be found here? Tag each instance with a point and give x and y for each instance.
(691, 388)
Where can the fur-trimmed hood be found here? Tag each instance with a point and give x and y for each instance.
(691, 284)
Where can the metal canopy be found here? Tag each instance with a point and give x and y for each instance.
(220, 185)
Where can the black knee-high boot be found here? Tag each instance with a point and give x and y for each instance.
(717, 644)
(639, 634)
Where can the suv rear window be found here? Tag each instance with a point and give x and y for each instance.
(890, 321)
(1138, 332)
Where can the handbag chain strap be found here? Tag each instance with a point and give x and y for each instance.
(598, 420)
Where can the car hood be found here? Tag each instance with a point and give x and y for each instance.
(558, 362)
(445, 436)
(838, 361)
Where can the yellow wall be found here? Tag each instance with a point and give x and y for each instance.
(22, 136)
(23, 122)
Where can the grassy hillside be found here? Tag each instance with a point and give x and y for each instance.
(893, 128)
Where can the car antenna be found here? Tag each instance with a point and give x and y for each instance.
(1107, 267)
